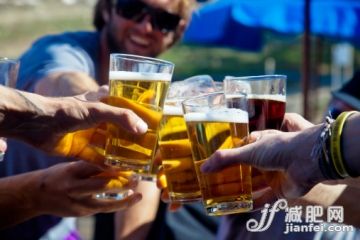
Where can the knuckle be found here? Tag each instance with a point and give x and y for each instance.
(219, 155)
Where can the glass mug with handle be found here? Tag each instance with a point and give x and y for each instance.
(174, 144)
(213, 125)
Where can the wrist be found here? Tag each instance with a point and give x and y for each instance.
(18, 198)
(22, 113)
(303, 151)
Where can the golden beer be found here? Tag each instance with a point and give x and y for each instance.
(176, 155)
(144, 94)
(227, 191)
(89, 145)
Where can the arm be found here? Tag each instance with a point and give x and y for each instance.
(289, 154)
(63, 190)
(43, 121)
(135, 222)
(65, 84)
(341, 194)
(59, 65)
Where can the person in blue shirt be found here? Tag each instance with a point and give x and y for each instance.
(71, 63)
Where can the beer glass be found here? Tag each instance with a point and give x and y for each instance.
(9, 69)
(89, 145)
(140, 84)
(266, 95)
(177, 162)
(8, 75)
(213, 125)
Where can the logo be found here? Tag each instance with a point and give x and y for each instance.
(297, 219)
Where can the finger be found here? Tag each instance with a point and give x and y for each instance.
(224, 158)
(294, 122)
(105, 206)
(90, 186)
(257, 135)
(266, 153)
(81, 169)
(124, 118)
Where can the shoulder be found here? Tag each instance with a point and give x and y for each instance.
(72, 38)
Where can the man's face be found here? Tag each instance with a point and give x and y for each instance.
(139, 35)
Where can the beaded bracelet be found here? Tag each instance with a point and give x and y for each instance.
(321, 153)
(335, 144)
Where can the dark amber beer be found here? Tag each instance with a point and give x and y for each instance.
(227, 191)
(176, 156)
(266, 111)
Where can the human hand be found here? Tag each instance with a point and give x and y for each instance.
(286, 155)
(67, 189)
(82, 112)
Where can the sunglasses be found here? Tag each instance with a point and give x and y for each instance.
(136, 10)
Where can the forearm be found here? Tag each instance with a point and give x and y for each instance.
(135, 222)
(22, 111)
(326, 195)
(65, 84)
(27, 116)
(16, 198)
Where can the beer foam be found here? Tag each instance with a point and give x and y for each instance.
(277, 97)
(220, 115)
(135, 76)
(173, 110)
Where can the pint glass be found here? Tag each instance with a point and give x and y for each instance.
(177, 162)
(140, 84)
(266, 99)
(266, 96)
(212, 125)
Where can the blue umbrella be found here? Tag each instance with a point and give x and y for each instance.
(330, 18)
(237, 23)
(215, 24)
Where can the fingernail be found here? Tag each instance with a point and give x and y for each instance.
(141, 126)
